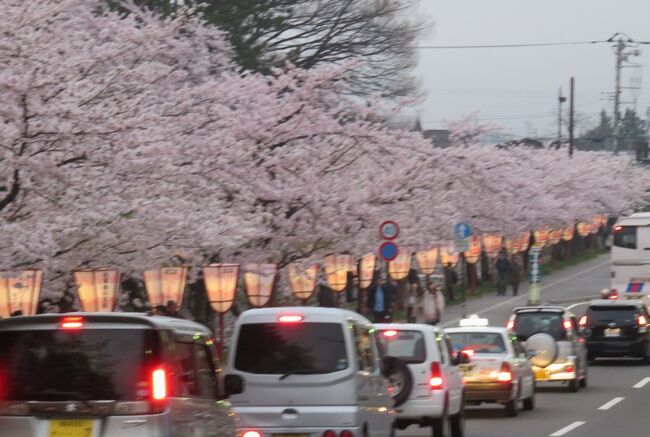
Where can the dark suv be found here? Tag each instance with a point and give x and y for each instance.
(616, 328)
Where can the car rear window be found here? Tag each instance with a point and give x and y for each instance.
(407, 345)
(278, 348)
(529, 324)
(479, 342)
(625, 237)
(84, 364)
(618, 314)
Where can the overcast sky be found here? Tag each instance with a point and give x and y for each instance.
(518, 87)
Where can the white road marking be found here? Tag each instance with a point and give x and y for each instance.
(567, 429)
(514, 299)
(641, 383)
(610, 404)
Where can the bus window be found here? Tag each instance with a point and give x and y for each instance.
(625, 236)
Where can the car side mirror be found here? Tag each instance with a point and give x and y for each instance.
(530, 353)
(463, 357)
(233, 385)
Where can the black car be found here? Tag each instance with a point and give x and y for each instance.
(616, 328)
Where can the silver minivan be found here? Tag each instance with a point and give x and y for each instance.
(307, 371)
(109, 375)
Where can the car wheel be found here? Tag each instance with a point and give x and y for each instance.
(401, 380)
(457, 423)
(440, 425)
(574, 386)
(511, 408)
(392, 431)
(583, 381)
(529, 403)
(645, 359)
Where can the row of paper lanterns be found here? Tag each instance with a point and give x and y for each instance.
(98, 289)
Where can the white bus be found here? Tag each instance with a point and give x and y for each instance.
(630, 256)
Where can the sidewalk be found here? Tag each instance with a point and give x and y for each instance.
(568, 285)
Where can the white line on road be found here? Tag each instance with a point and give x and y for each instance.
(566, 429)
(610, 404)
(641, 383)
(514, 299)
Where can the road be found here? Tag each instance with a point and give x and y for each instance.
(614, 402)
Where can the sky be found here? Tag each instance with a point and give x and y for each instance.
(517, 88)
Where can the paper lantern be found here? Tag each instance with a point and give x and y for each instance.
(583, 228)
(367, 269)
(541, 236)
(303, 280)
(337, 268)
(20, 291)
(511, 245)
(448, 255)
(166, 284)
(555, 236)
(399, 268)
(97, 289)
(473, 254)
(596, 222)
(221, 285)
(259, 280)
(427, 260)
(567, 233)
(492, 244)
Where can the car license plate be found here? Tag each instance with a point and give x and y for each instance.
(613, 332)
(71, 428)
(542, 374)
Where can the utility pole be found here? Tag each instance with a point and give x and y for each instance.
(571, 117)
(561, 99)
(620, 47)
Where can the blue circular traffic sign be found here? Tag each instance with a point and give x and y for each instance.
(388, 251)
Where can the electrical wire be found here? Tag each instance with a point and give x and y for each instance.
(499, 46)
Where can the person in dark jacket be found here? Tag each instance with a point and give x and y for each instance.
(381, 296)
(503, 271)
(515, 275)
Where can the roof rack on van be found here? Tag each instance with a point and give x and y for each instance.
(537, 309)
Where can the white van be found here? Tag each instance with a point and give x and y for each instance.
(109, 375)
(308, 371)
(630, 255)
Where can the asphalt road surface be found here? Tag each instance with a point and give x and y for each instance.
(613, 405)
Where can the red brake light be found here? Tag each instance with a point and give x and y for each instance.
(504, 375)
(618, 228)
(72, 322)
(346, 433)
(583, 321)
(159, 385)
(329, 433)
(251, 434)
(468, 352)
(436, 382)
(510, 325)
(613, 294)
(290, 318)
(567, 325)
(390, 333)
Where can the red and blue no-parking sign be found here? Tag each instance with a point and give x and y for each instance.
(388, 251)
(389, 230)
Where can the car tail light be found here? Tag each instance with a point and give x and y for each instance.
(569, 369)
(642, 323)
(290, 318)
(159, 385)
(329, 433)
(618, 228)
(390, 333)
(567, 325)
(505, 374)
(251, 434)
(468, 352)
(436, 381)
(583, 322)
(613, 294)
(346, 433)
(510, 325)
(72, 322)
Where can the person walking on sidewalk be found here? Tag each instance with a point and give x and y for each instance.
(503, 270)
(412, 300)
(451, 278)
(433, 304)
(381, 296)
(515, 275)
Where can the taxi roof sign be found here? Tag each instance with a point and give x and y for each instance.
(473, 321)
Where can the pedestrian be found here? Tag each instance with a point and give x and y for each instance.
(433, 303)
(160, 310)
(172, 309)
(503, 270)
(381, 296)
(451, 278)
(412, 300)
(515, 275)
(325, 296)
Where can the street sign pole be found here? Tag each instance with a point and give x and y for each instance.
(535, 274)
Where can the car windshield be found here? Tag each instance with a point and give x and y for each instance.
(406, 345)
(85, 364)
(618, 314)
(291, 348)
(529, 324)
(478, 342)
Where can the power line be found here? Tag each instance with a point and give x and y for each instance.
(502, 46)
